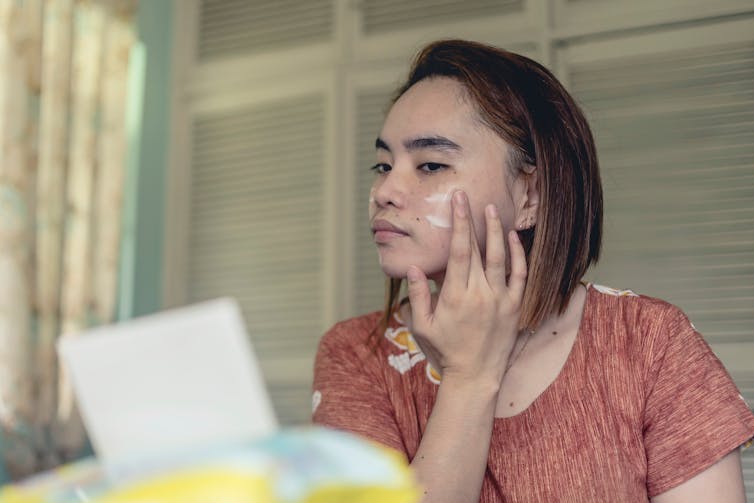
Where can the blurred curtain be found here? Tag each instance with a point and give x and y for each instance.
(63, 75)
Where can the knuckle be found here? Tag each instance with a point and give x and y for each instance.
(519, 272)
(484, 303)
(495, 262)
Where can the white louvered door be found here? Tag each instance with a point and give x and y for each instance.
(256, 227)
(259, 180)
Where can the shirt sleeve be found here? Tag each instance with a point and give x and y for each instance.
(694, 413)
(349, 391)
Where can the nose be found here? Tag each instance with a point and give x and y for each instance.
(391, 189)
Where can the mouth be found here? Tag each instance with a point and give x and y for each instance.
(385, 231)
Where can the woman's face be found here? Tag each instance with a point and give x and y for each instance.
(431, 145)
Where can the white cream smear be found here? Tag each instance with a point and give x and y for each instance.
(436, 221)
(439, 197)
(441, 202)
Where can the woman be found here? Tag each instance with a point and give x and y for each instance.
(516, 381)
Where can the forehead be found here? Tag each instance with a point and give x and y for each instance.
(436, 105)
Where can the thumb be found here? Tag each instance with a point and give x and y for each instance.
(420, 297)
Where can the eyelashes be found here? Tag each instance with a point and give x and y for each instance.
(381, 168)
(427, 167)
(432, 167)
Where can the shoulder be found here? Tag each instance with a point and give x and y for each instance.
(352, 335)
(611, 300)
(643, 331)
(662, 346)
(635, 316)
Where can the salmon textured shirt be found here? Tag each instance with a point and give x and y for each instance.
(641, 404)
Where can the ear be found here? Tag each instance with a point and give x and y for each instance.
(527, 197)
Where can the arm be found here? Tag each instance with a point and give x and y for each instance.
(722, 482)
(469, 335)
(452, 455)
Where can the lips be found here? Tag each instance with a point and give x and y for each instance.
(385, 231)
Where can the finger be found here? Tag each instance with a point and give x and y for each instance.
(420, 298)
(457, 272)
(495, 254)
(476, 269)
(517, 280)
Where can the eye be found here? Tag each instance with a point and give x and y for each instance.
(432, 167)
(381, 168)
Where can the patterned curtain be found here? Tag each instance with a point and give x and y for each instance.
(63, 75)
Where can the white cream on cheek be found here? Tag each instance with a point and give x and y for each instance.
(439, 215)
(371, 206)
(436, 221)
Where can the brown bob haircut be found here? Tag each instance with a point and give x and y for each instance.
(531, 111)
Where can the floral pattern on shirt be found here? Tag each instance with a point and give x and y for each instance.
(613, 291)
(402, 338)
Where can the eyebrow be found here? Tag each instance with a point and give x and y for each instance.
(430, 142)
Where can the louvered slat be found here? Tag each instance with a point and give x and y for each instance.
(233, 27)
(674, 134)
(256, 233)
(387, 15)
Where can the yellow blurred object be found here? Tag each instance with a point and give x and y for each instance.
(305, 465)
(196, 486)
(14, 495)
(341, 494)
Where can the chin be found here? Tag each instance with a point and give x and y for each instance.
(398, 269)
(394, 271)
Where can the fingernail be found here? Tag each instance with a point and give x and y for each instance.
(491, 211)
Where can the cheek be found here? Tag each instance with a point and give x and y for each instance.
(436, 246)
(436, 209)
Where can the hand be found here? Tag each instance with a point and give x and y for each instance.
(472, 329)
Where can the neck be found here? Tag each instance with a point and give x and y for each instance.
(569, 319)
